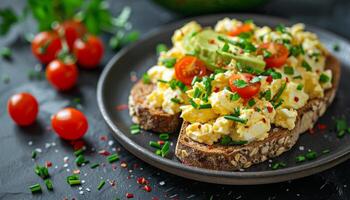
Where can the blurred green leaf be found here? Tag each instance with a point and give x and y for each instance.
(7, 19)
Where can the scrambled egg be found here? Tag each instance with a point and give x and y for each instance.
(292, 97)
(191, 114)
(202, 133)
(312, 86)
(160, 73)
(286, 118)
(222, 103)
(223, 126)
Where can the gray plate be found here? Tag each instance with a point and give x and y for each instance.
(115, 84)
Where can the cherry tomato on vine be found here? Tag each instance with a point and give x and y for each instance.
(23, 108)
(45, 46)
(278, 54)
(188, 67)
(240, 29)
(61, 75)
(247, 89)
(89, 51)
(71, 30)
(69, 124)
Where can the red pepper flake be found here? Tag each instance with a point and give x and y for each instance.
(296, 99)
(123, 164)
(161, 142)
(112, 183)
(269, 109)
(48, 164)
(287, 79)
(114, 166)
(142, 181)
(129, 195)
(311, 130)
(104, 152)
(269, 79)
(135, 165)
(216, 89)
(147, 188)
(76, 171)
(122, 107)
(77, 144)
(103, 138)
(322, 126)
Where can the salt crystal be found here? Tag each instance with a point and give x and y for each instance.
(80, 188)
(56, 150)
(162, 183)
(81, 192)
(65, 165)
(110, 142)
(301, 148)
(68, 170)
(114, 149)
(87, 189)
(65, 159)
(47, 145)
(38, 150)
(82, 181)
(30, 143)
(53, 144)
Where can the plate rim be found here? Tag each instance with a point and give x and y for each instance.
(136, 149)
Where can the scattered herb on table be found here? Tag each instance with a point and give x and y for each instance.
(36, 188)
(100, 185)
(112, 158)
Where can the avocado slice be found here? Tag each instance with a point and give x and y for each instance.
(207, 46)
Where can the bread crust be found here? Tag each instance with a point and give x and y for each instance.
(280, 140)
(153, 119)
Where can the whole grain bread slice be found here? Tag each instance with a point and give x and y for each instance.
(219, 157)
(154, 119)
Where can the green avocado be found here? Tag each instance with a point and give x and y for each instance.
(207, 46)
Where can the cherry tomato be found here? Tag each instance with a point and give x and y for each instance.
(71, 30)
(63, 76)
(240, 29)
(188, 67)
(69, 124)
(23, 108)
(249, 90)
(89, 51)
(279, 54)
(45, 46)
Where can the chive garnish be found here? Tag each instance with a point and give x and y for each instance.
(74, 182)
(236, 119)
(164, 136)
(94, 165)
(226, 47)
(300, 158)
(165, 149)
(112, 158)
(154, 144)
(306, 65)
(266, 53)
(311, 155)
(325, 151)
(298, 77)
(146, 78)
(234, 97)
(34, 154)
(158, 152)
(251, 102)
(288, 70)
(278, 165)
(267, 95)
(135, 129)
(300, 86)
(323, 78)
(175, 100)
(204, 106)
(195, 79)
(100, 185)
(78, 152)
(279, 92)
(43, 172)
(80, 160)
(169, 62)
(35, 188)
(162, 81)
(225, 140)
(194, 104)
(48, 184)
(197, 93)
(161, 48)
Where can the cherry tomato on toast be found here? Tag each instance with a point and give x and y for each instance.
(246, 90)
(188, 67)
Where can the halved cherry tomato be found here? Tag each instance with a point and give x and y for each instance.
(45, 46)
(23, 108)
(240, 29)
(249, 90)
(69, 124)
(89, 51)
(63, 76)
(188, 67)
(71, 30)
(279, 54)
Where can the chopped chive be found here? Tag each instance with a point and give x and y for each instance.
(169, 62)
(251, 102)
(204, 106)
(288, 70)
(194, 104)
(324, 78)
(236, 119)
(78, 152)
(135, 126)
(266, 53)
(164, 136)
(278, 165)
(146, 78)
(226, 47)
(94, 165)
(311, 155)
(225, 140)
(74, 182)
(80, 160)
(341, 134)
(197, 93)
(195, 79)
(154, 144)
(300, 158)
(325, 151)
(279, 92)
(35, 188)
(161, 48)
(306, 65)
(158, 152)
(298, 77)
(43, 172)
(100, 185)
(72, 177)
(267, 95)
(234, 97)
(48, 184)
(300, 86)
(162, 81)
(165, 149)
(175, 100)
(112, 158)
(135, 131)
(34, 154)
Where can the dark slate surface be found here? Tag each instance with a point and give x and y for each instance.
(16, 144)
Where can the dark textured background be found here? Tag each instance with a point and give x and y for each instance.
(16, 165)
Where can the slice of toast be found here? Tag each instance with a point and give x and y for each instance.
(219, 157)
(154, 119)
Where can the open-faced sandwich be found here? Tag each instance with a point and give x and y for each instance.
(243, 92)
